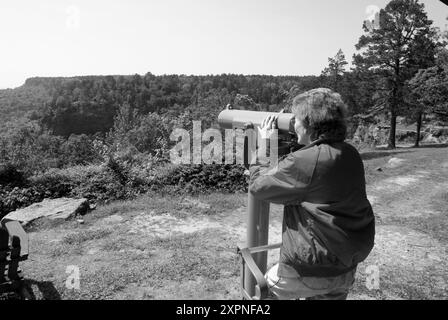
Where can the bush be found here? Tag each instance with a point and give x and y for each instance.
(94, 182)
(78, 150)
(116, 180)
(201, 178)
(10, 175)
(30, 148)
(12, 198)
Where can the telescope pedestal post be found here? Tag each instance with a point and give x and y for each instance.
(257, 235)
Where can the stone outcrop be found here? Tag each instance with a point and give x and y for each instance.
(60, 208)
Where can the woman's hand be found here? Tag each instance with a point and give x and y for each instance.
(267, 126)
(266, 132)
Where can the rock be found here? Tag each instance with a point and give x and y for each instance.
(60, 208)
(429, 138)
(438, 132)
(395, 162)
(370, 134)
(406, 135)
(435, 134)
(379, 169)
(80, 221)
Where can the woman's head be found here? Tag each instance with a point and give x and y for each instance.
(320, 113)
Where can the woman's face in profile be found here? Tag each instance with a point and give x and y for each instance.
(302, 135)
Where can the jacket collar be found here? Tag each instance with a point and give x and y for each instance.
(320, 141)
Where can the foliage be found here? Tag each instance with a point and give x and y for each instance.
(203, 178)
(430, 86)
(117, 179)
(87, 105)
(393, 52)
(10, 175)
(31, 148)
(335, 70)
(24, 101)
(144, 133)
(12, 198)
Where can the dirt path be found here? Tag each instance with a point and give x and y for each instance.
(411, 243)
(184, 248)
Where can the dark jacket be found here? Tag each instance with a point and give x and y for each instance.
(328, 223)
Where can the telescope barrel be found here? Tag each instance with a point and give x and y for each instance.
(234, 119)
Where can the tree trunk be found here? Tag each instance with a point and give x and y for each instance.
(419, 128)
(393, 127)
(394, 106)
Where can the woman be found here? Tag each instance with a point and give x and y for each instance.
(328, 223)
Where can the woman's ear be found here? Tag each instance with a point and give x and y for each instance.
(303, 134)
(298, 128)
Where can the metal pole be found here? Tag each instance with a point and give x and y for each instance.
(257, 235)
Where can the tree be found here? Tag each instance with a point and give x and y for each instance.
(393, 51)
(429, 87)
(78, 149)
(125, 119)
(335, 70)
(430, 90)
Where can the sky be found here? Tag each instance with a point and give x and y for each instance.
(102, 37)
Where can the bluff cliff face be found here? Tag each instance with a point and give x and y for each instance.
(377, 133)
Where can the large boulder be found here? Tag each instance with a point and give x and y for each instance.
(435, 134)
(60, 208)
(370, 134)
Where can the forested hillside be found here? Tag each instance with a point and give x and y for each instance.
(88, 104)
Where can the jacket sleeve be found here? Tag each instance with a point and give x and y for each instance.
(282, 184)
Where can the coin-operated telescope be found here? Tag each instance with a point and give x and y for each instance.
(254, 255)
(245, 119)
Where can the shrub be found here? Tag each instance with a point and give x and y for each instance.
(77, 150)
(12, 198)
(94, 182)
(10, 175)
(202, 178)
(116, 180)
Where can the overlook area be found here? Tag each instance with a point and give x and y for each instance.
(184, 247)
(86, 153)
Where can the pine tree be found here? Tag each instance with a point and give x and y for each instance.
(393, 51)
(430, 90)
(335, 70)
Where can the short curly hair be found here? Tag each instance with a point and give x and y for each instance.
(322, 112)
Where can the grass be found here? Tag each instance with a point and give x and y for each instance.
(80, 237)
(177, 260)
(179, 205)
